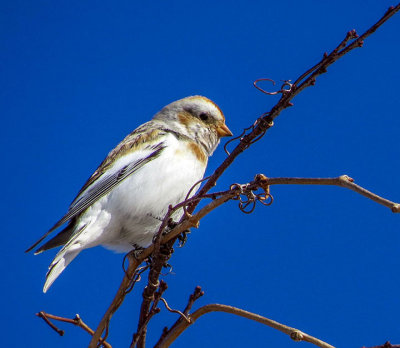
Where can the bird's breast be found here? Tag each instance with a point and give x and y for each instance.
(139, 203)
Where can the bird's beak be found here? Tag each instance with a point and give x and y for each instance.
(223, 131)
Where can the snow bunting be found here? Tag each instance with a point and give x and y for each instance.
(122, 204)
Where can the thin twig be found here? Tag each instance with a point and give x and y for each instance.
(343, 181)
(77, 321)
(293, 333)
(197, 293)
(385, 345)
(139, 338)
(174, 310)
(46, 317)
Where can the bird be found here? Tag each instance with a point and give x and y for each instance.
(122, 205)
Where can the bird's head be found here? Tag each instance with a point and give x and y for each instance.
(198, 118)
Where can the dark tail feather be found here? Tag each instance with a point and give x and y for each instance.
(38, 242)
(59, 240)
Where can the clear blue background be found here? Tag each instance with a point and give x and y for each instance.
(78, 76)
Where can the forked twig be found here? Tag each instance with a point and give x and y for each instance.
(77, 321)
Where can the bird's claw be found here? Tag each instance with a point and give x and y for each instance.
(182, 238)
(137, 250)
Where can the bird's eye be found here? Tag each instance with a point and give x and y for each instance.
(204, 116)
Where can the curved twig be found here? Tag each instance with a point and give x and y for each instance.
(293, 333)
(174, 310)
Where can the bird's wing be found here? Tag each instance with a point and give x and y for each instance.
(101, 183)
(106, 183)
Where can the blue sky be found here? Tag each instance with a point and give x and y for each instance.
(78, 76)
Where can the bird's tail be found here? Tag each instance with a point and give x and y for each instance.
(60, 262)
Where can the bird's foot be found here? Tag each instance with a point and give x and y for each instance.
(172, 224)
(182, 238)
(137, 250)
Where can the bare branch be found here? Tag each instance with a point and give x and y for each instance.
(77, 321)
(266, 121)
(193, 221)
(257, 130)
(119, 297)
(260, 181)
(293, 333)
(343, 181)
(147, 313)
